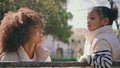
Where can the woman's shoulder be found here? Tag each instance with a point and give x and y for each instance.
(9, 56)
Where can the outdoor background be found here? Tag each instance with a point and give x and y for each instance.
(65, 21)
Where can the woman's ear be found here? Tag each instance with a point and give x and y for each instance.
(105, 21)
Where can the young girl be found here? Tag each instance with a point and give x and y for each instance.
(20, 34)
(102, 46)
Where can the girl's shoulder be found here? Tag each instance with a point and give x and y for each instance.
(110, 37)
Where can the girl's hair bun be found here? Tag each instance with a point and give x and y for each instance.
(114, 13)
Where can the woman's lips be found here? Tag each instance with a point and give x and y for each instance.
(88, 26)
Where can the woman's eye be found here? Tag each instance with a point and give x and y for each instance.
(35, 27)
(92, 18)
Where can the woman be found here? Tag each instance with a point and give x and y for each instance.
(20, 34)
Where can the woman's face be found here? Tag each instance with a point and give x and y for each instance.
(36, 34)
(93, 20)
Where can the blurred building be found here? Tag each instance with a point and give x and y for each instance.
(72, 50)
(58, 48)
(77, 41)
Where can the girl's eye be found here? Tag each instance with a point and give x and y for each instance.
(89, 19)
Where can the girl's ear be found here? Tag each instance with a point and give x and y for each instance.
(105, 21)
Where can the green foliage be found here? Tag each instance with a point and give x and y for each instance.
(56, 20)
(63, 59)
(54, 12)
(3, 7)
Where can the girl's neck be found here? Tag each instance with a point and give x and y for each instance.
(29, 49)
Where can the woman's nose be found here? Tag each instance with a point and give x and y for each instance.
(41, 31)
(88, 21)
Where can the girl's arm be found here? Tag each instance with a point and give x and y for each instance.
(101, 56)
(100, 59)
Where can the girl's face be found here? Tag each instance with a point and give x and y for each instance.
(93, 20)
(36, 34)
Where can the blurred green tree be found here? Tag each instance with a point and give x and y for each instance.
(3, 7)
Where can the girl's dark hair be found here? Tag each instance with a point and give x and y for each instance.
(104, 12)
(15, 26)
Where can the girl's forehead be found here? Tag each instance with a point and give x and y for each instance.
(92, 13)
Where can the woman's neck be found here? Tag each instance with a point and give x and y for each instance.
(29, 50)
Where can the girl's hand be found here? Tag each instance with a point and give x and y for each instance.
(83, 58)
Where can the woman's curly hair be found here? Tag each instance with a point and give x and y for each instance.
(14, 28)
